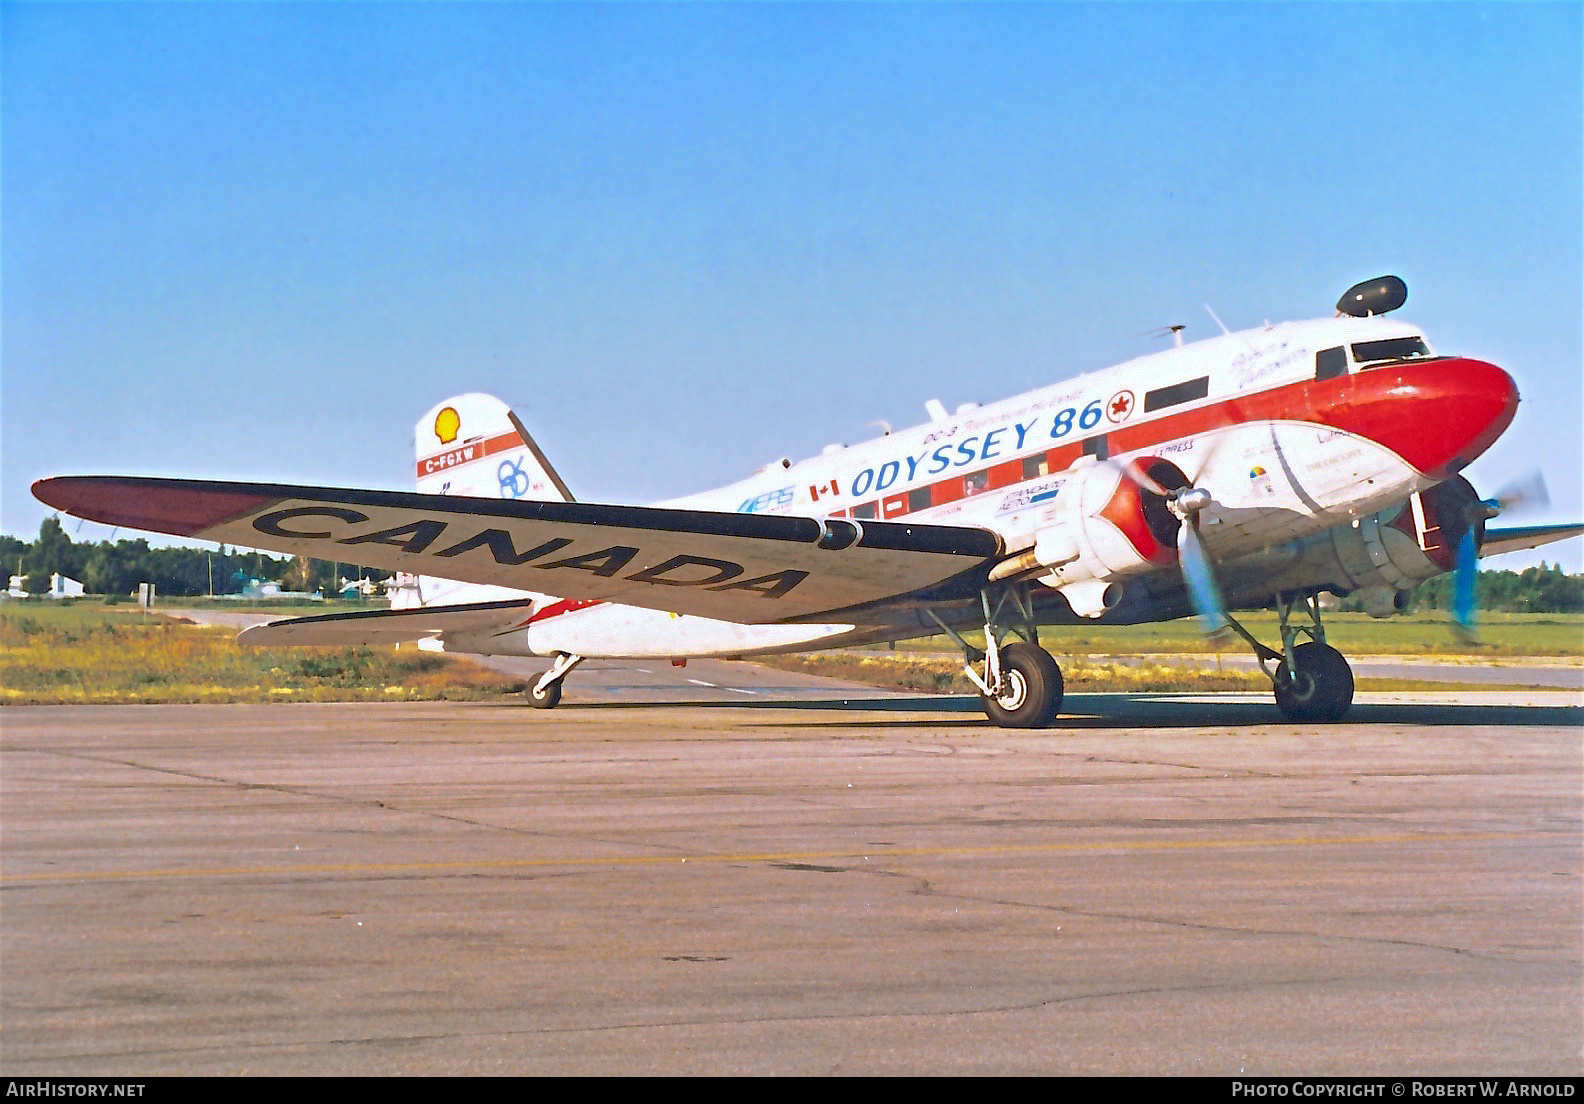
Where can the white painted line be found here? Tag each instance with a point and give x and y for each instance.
(700, 682)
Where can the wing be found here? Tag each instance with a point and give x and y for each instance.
(389, 626)
(748, 568)
(1498, 541)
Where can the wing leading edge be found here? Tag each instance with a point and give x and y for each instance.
(747, 568)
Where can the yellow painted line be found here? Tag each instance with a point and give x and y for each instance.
(782, 856)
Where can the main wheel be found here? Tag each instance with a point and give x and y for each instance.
(1322, 689)
(1031, 693)
(548, 698)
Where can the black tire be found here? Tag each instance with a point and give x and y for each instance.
(548, 698)
(1323, 690)
(1033, 693)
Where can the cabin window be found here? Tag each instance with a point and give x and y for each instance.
(1036, 466)
(1187, 391)
(1393, 348)
(865, 512)
(1330, 363)
(975, 482)
(918, 499)
(1099, 447)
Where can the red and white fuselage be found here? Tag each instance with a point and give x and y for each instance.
(1320, 443)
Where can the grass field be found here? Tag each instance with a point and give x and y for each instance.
(84, 653)
(55, 653)
(1357, 634)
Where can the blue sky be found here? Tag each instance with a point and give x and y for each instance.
(254, 241)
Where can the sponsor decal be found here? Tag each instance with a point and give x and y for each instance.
(514, 481)
(1030, 494)
(770, 500)
(448, 423)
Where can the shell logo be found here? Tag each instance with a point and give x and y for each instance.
(1256, 472)
(448, 423)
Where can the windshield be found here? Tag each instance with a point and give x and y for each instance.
(1394, 348)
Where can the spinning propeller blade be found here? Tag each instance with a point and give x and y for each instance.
(1527, 492)
(1199, 577)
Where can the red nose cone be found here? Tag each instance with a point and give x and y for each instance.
(1438, 415)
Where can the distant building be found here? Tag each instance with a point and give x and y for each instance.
(60, 587)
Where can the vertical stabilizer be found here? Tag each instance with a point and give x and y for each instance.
(474, 445)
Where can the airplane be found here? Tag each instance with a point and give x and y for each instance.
(1245, 470)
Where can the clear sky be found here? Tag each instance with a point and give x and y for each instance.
(256, 241)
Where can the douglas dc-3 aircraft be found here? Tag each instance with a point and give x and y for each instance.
(1252, 468)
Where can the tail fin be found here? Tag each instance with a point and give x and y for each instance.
(474, 445)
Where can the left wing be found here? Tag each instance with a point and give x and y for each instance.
(747, 568)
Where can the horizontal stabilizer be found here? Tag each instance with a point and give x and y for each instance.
(389, 626)
(746, 568)
(1498, 541)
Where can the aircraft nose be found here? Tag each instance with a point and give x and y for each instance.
(1438, 415)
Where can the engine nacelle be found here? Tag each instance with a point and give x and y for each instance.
(1379, 558)
(1104, 527)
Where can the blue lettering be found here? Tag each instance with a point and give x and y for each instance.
(966, 451)
(990, 443)
(888, 474)
(913, 463)
(1022, 432)
(861, 482)
(941, 463)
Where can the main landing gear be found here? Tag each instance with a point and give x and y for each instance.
(1020, 685)
(546, 693)
(1311, 680)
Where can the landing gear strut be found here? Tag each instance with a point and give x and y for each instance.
(1020, 685)
(1312, 681)
(546, 693)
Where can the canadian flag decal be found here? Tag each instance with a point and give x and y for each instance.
(831, 488)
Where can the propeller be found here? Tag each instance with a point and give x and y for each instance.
(1527, 492)
(1197, 572)
(1193, 560)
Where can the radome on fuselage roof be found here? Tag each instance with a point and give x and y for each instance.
(1260, 467)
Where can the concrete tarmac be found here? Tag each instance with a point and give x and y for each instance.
(787, 875)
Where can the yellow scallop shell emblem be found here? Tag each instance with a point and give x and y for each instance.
(447, 424)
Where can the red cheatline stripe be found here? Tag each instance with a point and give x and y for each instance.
(1429, 414)
(487, 447)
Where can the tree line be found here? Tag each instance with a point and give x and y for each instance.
(117, 568)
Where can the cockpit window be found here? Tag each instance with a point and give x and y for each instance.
(1330, 363)
(1393, 348)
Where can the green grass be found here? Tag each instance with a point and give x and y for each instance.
(1357, 634)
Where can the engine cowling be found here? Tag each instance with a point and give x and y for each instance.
(1379, 558)
(1105, 527)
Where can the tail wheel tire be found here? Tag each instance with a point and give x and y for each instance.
(548, 698)
(1031, 688)
(1322, 690)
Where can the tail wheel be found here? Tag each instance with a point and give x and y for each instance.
(548, 698)
(1322, 689)
(1031, 688)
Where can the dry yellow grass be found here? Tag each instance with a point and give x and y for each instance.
(62, 655)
